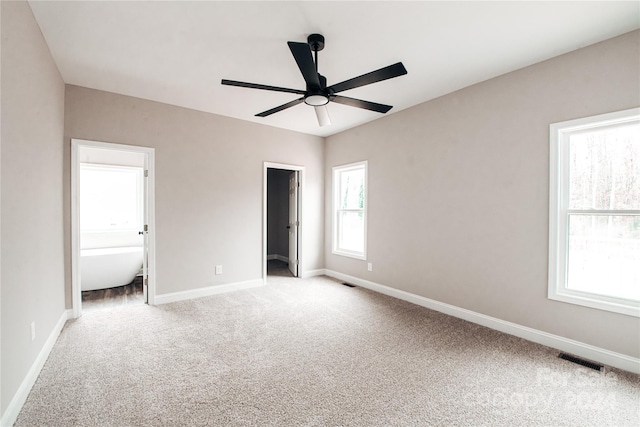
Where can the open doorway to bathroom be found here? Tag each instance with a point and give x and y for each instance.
(112, 240)
(283, 186)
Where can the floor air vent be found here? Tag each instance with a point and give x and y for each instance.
(579, 361)
(349, 285)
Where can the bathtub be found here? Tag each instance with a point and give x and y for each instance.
(109, 267)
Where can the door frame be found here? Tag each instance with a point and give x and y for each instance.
(76, 288)
(292, 234)
(301, 178)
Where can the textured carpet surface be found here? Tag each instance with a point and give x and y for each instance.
(312, 352)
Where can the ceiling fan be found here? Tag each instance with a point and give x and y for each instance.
(317, 93)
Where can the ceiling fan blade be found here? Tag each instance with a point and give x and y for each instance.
(367, 105)
(280, 108)
(323, 115)
(385, 73)
(302, 54)
(263, 87)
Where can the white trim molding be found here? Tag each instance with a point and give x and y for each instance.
(11, 414)
(560, 212)
(610, 358)
(208, 291)
(278, 257)
(313, 273)
(302, 274)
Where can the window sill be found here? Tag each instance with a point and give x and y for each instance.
(629, 308)
(350, 254)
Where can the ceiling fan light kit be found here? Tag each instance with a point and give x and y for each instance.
(316, 100)
(317, 93)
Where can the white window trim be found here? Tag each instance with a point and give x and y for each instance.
(335, 210)
(558, 213)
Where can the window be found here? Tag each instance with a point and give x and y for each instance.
(594, 212)
(350, 210)
(110, 198)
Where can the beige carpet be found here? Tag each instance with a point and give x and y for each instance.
(312, 353)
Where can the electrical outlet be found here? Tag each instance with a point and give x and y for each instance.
(218, 269)
(33, 331)
(370, 267)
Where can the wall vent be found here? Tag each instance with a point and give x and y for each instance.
(349, 285)
(579, 361)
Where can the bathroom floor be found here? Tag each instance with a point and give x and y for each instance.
(113, 297)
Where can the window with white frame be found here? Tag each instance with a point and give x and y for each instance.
(594, 212)
(350, 210)
(110, 198)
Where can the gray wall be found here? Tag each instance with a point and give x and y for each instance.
(209, 189)
(278, 212)
(458, 191)
(31, 238)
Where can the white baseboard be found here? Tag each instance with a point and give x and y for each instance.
(278, 257)
(313, 273)
(609, 358)
(11, 414)
(205, 292)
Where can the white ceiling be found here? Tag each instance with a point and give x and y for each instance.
(177, 52)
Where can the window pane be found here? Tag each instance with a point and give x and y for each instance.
(109, 199)
(351, 231)
(604, 168)
(352, 189)
(604, 255)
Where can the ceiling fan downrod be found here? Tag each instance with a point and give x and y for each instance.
(316, 42)
(318, 97)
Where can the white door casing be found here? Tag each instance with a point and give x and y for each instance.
(300, 229)
(293, 223)
(149, 218)
(145, 231)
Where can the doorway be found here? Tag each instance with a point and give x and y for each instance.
(282, 219)
(112, 224)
